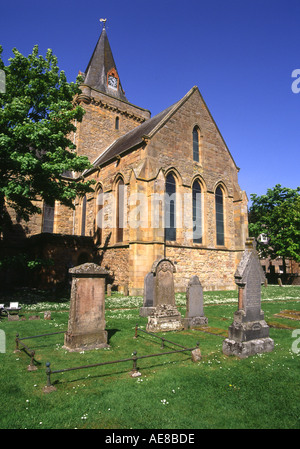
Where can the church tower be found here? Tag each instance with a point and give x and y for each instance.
(109, 115)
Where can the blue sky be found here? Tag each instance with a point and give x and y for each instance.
(240, 53)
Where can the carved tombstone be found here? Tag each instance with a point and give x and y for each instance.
(148, 303)
(165, 316)
(164, 283)
(86, 327)
(249, 333)
(194, 304)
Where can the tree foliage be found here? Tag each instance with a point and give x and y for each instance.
(37, 117)
(277, 214)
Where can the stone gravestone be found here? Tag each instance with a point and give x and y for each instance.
(249, 333)
(108, 289)
(194, 304)
(47, 315)
(165, 316)
(148, 303)
(86, 327)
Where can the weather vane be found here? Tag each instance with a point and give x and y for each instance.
(103, 21)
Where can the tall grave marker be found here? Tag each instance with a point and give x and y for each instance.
(249, 333)
(148, 302)
(86, 327)
(194, 304)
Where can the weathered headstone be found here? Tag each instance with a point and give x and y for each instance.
(196, 355)
(108, 289)
(86, 327)
(148, 302)
(249, 333)
(123, 289)
(165, 316)
(194, 304)
(47, 315)
(12, 317)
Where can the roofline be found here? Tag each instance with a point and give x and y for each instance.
(223, 140)
(177, 106)
(89, 170)
(172, 111)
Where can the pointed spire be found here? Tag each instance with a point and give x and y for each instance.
(101, 72)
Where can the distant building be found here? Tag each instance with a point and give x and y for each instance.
(274, 269)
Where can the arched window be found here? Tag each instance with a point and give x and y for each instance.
(99, 216)
(196, 144)
(219, 199)
(83, 215)
(48, 218)
(117, 123)
(170, 208)
(120, 210)
(197, 213)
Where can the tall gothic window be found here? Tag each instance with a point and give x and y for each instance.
(219, 199)
(83, 215)
(48, 218)
(197, 213)
(117, 123)
(99, 215)
(196, 144)
(120, 211)
(170, 208)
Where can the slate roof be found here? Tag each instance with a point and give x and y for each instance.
(135, 137)
(101, 62)
(131, 139)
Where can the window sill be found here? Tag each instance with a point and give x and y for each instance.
(198, 164)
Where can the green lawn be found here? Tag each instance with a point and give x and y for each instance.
(219, 392)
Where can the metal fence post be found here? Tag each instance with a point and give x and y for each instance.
(134, 358)
(31, 366)
(48, 373)
(48, 388)
(17, 344)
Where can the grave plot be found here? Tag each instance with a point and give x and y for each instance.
(290, 314)
(166, 348)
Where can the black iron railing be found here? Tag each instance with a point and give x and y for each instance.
(134, 359)
(31, 352)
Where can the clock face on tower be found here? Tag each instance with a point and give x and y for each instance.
(112, 81)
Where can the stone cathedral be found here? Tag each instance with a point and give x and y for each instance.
(166, 186)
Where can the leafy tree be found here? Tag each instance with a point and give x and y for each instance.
(277, 214)
(37, 116)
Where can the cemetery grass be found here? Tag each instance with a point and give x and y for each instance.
(218, 392)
